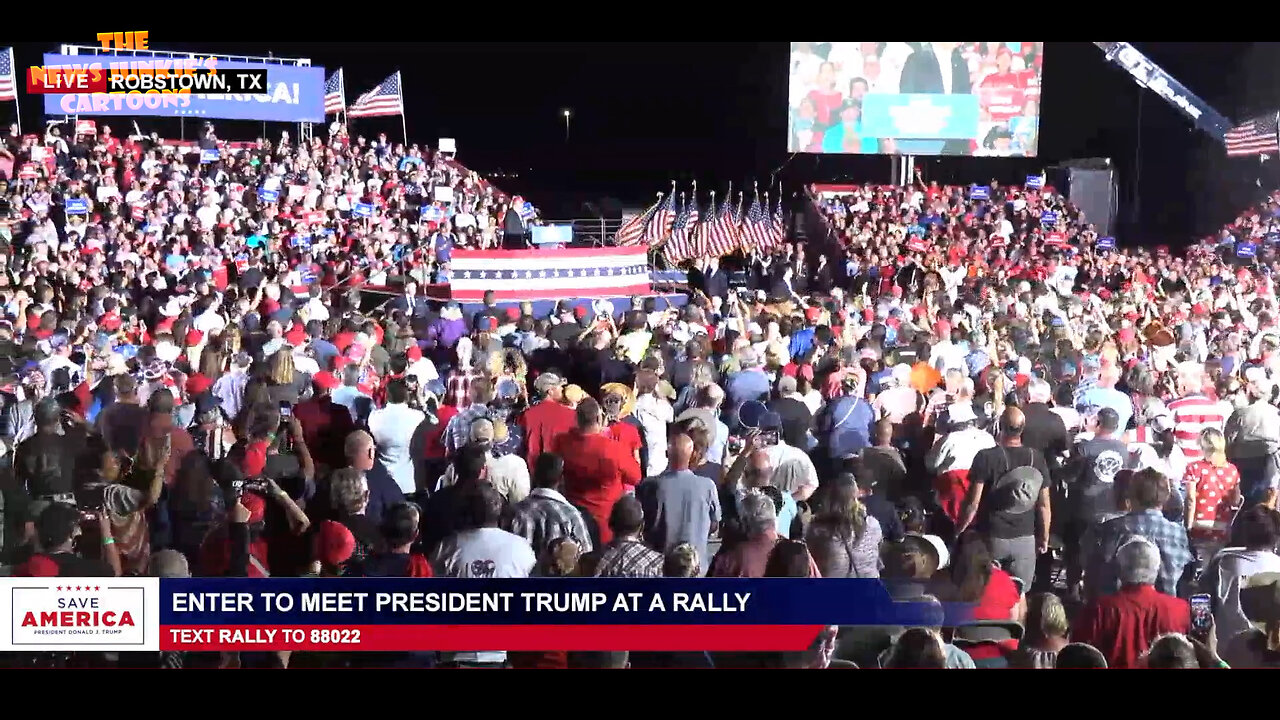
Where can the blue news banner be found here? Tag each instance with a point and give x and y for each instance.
(400, 614)
(293, 94)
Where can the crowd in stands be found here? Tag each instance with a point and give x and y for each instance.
(974, 405)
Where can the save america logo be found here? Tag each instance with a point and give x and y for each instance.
(84, 613)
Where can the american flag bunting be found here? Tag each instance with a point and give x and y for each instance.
(382, 100)
(577, 272)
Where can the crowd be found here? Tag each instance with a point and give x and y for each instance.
(977, 404)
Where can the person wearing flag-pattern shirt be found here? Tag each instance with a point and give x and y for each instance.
(1193, 411)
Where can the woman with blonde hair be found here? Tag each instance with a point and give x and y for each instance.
(1213, 496)
(282, 377)
(1047, 633)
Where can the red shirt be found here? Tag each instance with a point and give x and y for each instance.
(999, 599)
(628, 435)
(325, 426)
(1215, 489)
(596, 468)
(1124, 625)
(433, 444)
(542, 423)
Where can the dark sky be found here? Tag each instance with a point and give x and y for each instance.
(648, 113)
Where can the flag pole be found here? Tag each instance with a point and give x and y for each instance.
(404, 127)
(17, 106)
(342, 93)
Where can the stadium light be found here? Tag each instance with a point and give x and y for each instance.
(567, 113)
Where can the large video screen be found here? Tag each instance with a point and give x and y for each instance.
(930, 98)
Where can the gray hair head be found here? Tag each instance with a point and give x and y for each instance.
(1039, 391)
(170, 564)
(1138, 562)
(757, 512)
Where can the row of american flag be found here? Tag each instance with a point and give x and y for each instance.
(684, 232)
(385, 99)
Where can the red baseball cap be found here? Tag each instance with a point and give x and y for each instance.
(254, 460)
(333, 543)
(325, 380)
(414, 353)
(194, 337)
(197, 384)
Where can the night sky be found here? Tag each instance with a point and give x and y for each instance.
(645, 114)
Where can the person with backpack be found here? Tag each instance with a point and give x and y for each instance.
(1008, 499)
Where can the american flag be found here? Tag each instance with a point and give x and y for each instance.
(679, 246)
(538, 274)
(334, 97)
(779, 229)
(382, 100)
(1254, 137)
(660, 225)
(719, 235)
(8, 88)
(631, 232)
(756, 228)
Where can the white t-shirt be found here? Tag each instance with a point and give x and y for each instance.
(483, 553)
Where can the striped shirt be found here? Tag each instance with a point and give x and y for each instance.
(1191, 415)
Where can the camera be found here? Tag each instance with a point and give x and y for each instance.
(768, 438)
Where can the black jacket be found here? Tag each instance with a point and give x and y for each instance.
(45, 464)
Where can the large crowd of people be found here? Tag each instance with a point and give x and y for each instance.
(978, 403)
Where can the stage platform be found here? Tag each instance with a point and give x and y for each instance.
(543, 277)
(374, 296)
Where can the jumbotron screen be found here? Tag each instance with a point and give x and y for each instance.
(925, 98)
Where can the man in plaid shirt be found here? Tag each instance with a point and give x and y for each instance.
(546, 515)
(627, 555)
(458, 432)
(1148, 492)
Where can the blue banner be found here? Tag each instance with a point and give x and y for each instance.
(209, 155)
(1035, 182)
(979, 192)
(539, 601)
(1246, 249)
(526, 210)
(1273, 237)
(552, 234)
(1048, 217)
(268, 196)
(308, 275)
(293, 94)
(431, 213)
(1106, 243)
(362, 210)
(920, 116)
(77, 206)
(917, 230)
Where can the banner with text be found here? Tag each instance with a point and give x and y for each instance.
(294, 94)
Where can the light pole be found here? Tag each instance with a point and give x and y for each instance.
(567, 113)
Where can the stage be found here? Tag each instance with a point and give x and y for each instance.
(545, 277)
